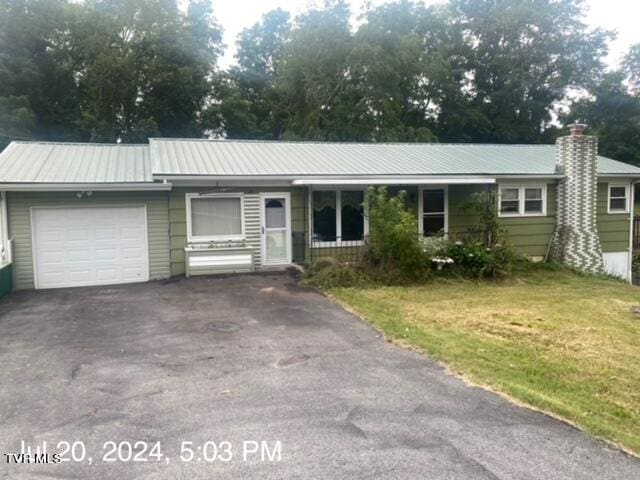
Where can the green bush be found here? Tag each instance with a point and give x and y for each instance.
(330, 274)
(484, 207)
(635, 265)
(436, 246)
(397, 255)
(393, 234)
(470, 259)
(474, 260)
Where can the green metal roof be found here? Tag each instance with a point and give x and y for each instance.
(60, 163)
(186, 157)
(48, 162)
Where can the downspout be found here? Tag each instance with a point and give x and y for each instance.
(632, 199)
(4, 229)
(551, 238)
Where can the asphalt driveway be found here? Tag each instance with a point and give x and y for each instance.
(246, 360)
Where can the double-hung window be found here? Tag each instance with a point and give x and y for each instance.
(338, 216)
(618, 199)
(215, 217)
(522, 200)
(433, 211)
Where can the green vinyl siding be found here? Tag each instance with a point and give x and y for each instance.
(613, 228)
(178, 219)
(19, 205)
(530, 235)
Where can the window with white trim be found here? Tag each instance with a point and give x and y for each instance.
(618, 199)
(215, 217)
(433, 211)
(522, 200)
(533, 200)
(338, 215)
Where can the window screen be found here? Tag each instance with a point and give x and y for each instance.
(509, 200)
(213, 217)
(533, 200)
(618, 199)
(433, 212)
(352, 214)
(324, 216)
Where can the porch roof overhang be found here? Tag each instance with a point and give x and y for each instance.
(383, 180)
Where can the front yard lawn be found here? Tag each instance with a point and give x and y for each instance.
(563, 343)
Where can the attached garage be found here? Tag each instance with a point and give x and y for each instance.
(83, 214)
(60, 240)
(79, 246)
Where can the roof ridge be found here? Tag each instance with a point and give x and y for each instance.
(317, 142)
(92, 144)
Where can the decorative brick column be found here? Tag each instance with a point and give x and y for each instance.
(575, 241)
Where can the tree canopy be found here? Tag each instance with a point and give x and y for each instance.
(462, 71)
(105, 70)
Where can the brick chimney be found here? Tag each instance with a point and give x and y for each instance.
(575, 241)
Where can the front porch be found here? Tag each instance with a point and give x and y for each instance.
(242, 229)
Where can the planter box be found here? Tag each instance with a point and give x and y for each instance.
(210, 260)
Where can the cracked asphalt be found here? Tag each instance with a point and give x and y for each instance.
(255, 358)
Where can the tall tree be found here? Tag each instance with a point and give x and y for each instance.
(144, 67)
(522, 57)
(106, 70)
(631, 68)
(612, 111)
(38, 94)
(315, 81)
(250, 106)
(401, 68)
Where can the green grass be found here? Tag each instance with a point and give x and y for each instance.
(559, 342)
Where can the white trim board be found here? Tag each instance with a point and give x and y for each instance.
(365, 217)
(263, 230)
(421, 191)
(521, 200)
(627, 192)
(85, 187)
(215, 238)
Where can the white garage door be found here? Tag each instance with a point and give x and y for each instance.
(78, 246)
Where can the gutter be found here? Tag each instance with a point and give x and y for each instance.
(95, 187)
(395, 181)
(368, 178)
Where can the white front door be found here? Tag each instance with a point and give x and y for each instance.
(276, 228)
(92, 245)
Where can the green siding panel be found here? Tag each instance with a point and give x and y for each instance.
(19, 204)
(614, 228)
(529, 235)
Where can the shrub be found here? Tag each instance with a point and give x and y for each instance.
(435, 246)
(393, 233)
(483, 206)
(635, 265)
(474, 260)
(470, 259)
(330, 274)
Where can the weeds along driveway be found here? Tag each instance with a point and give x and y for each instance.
(249, 359)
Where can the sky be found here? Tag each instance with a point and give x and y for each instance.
(235, 15)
